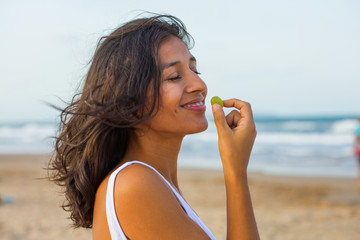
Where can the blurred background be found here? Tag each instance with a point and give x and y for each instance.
(296, 62)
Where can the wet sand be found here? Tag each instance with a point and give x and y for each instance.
(285, 207)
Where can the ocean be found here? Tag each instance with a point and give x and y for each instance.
(301, 146)
(311, 146)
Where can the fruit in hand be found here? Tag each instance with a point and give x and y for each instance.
(217, 100)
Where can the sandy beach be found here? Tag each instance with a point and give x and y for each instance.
(285, 207)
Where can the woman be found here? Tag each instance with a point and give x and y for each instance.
(116, 153)
(357, 149)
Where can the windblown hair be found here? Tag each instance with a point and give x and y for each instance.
(96, 126)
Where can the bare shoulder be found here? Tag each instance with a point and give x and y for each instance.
(128, 181)
(137, 186)
(136, 177)
(146, 207)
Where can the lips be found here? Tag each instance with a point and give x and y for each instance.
(198, 101)
(195, 105)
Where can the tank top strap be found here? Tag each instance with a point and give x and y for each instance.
(116, 231)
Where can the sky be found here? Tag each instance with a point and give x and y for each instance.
(287, 58)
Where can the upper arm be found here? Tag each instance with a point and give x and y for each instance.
(147, 208)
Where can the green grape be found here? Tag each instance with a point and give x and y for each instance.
(217, 100)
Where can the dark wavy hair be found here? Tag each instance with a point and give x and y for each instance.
(95, 127)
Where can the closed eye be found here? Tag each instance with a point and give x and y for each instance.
(178, 76)
(174, 78)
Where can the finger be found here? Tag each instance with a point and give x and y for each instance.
(219, 118)
(233, 118)
(244, 107)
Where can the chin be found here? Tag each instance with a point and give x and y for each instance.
(201, 127)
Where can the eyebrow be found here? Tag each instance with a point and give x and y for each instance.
(176, 62)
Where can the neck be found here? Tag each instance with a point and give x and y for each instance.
(159, 150)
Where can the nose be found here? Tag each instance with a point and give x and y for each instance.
(195, 84)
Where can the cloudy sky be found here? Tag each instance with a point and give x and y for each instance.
(299, 57)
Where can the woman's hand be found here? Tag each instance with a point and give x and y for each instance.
(236, 134)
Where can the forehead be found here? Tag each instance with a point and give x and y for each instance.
(173, 49)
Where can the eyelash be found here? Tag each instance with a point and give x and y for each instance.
(178, 76)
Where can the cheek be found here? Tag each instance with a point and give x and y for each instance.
(170, 98)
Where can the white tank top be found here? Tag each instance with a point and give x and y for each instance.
(116, 231)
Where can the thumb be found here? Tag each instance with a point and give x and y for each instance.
(219, 118)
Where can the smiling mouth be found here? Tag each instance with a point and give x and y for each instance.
(197, 106)
(192, 105)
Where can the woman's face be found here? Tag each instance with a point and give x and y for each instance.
(182, 92)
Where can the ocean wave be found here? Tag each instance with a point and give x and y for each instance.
(344, 126)
(286, 138)
(298, 126)
(304, 139)
(27, 133)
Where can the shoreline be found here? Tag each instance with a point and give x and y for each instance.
(286, 207)
(201, 165)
